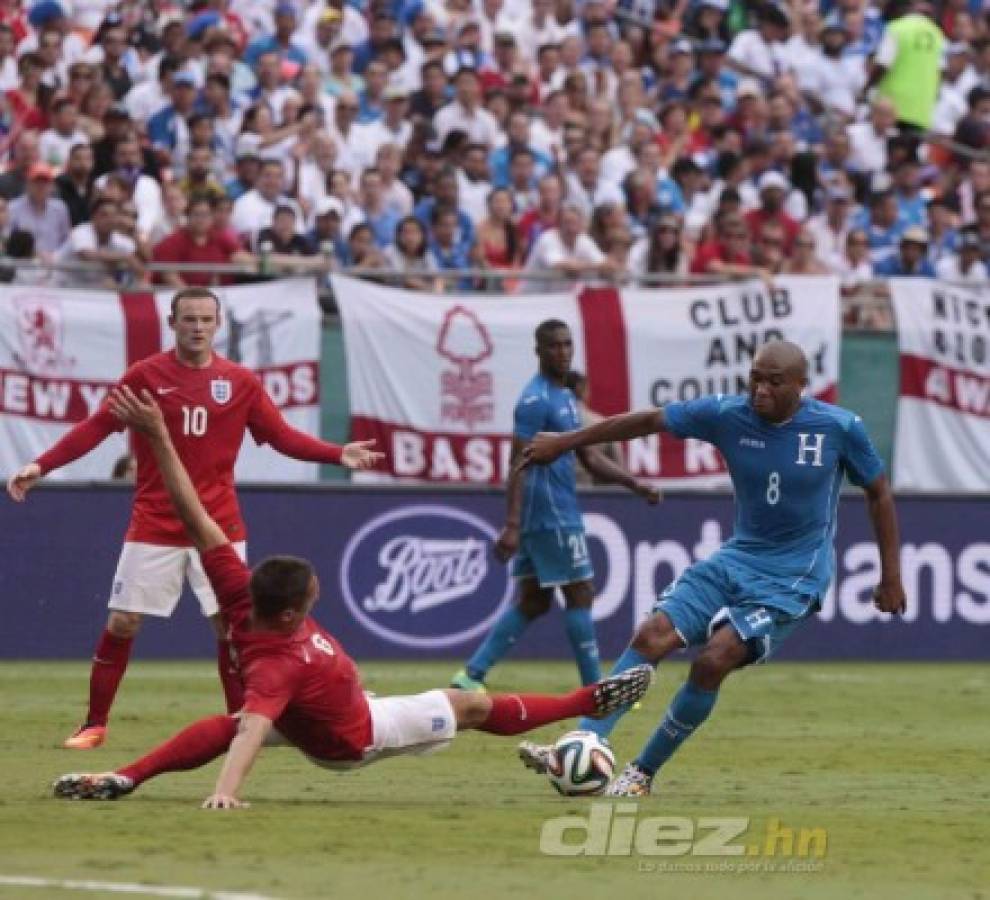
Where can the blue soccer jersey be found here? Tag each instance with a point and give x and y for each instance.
(550, 498)
(786, 479)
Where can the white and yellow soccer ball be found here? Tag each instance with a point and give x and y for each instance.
(581, 764)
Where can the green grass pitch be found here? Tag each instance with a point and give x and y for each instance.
(890, 760)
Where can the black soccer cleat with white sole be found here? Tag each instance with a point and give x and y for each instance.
(103, 786)
(621, 690)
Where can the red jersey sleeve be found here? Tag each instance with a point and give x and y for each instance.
(269, 686)
(267, 426)
(230, 579)
(167, 250)
(90, 432)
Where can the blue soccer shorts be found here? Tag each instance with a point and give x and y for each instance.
(554, 557)
(710, 594)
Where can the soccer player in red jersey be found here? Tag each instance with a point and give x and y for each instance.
(208, 402)
(300, 686)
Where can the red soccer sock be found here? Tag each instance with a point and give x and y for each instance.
(191, 748)
(109, 665)
(230, 677)
(516, 713)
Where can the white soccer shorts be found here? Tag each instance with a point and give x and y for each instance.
(149, 579)
(409, 725)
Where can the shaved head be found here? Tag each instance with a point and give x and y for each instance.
(777, 379)
(785, 356)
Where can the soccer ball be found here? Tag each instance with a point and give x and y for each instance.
(581, 764)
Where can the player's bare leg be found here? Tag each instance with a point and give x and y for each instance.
(533, 602)
(724, 653)
(653, 640)
(110, 661)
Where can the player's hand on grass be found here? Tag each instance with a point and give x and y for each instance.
(21, 482)
(649, 493)
(507, 543)
(888, 596)
(544, 448)
(223, 801)
(140, 413)
(359, 455)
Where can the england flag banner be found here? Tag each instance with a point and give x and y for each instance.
(942, 441)
(62, 350)
(435, 378)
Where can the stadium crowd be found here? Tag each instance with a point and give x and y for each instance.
(590, 138)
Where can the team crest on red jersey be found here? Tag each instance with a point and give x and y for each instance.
(221, 390)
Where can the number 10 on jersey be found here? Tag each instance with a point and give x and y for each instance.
(194, 420)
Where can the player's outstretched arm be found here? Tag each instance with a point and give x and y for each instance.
(507, 542)
(142, 414)
(244, 750)
(604, 469)
(546, 447)
(889, 594)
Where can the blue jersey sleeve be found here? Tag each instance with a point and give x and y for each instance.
(530, 416)
(860, 460)
(694, 418)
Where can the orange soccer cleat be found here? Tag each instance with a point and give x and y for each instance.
(88, 737)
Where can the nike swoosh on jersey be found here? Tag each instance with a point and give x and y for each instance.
(165, 390)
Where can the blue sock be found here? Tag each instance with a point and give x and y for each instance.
(689, 708)
(603, 727)
(510, 625)
(581, 633)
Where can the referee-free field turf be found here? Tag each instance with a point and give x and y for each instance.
(888, 762)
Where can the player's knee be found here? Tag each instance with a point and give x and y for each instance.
(713, 665)
(534, 606)
(654, 638)
(471, 708)
(123, 624)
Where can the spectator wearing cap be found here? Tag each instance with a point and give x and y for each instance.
(56, 142)
(907, 66)
(353, 24)
(967, 264)
(253, 210)
(168, 129)
(773, 188)
(246, 167)
(680, 74)
(316, 40)
(75, 185)
(280, 42)
(568, 250)
(830, 228)
(383, 29)
(712, 68)
(328, 214)
(39, 212)
(869, 139)
(24, 154)
(465, 113)
(198, 241)
(51, 15)
(100, 241)
(144, 190)
(341, 79)
(761, 52)
(910, 260)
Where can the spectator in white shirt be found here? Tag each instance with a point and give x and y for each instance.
(831, 227)
(99, 241)
(254, 210)
(967, 265)
(57, 141)
(761, 52)
(473, 183)
(586, 187)
(567, 249)
(145, 190)
(868, 140)
(466, 114)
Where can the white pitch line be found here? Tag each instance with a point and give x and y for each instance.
(124, 887)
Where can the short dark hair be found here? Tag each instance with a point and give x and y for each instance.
(193, 293)
(546, 328)
(280, 583)
(99, 203)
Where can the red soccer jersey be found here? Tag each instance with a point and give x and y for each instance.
(304, 682)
